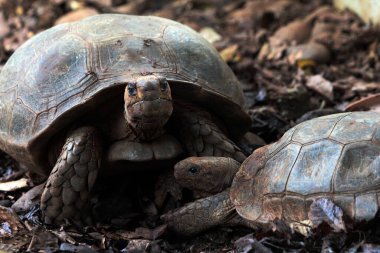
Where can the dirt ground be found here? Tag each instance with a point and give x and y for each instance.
(295, 59)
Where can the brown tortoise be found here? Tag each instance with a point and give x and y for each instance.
(336, 157)
(105, 87)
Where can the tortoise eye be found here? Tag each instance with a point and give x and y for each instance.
(132, 90)
(193, 170)
(163, 85)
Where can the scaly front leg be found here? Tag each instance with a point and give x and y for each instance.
(73, 176)
(199, 133)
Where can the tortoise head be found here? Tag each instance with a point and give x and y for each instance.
(206, 174)
(148, 103)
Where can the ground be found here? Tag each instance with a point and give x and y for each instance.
(295, 59)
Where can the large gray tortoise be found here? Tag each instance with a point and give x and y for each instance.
(335, 157)
(108, 87)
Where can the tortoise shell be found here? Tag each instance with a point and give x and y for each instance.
(335, 157)
(62, 73)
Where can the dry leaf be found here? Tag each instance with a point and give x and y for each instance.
(230, 53)
(76, 15)
(141, 232)
(324, 210)
(371, 103)
(364, 86)
(137, 246)
(248, 244)
(10, 223)
(312, 51)
(295, 32)
(210, 34)
(320, 85)
(66, 247)
(14, 185)
(43, 239)
(150, 234)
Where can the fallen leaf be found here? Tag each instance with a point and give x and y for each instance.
(248, 244)
(101, 3)
(43, 239)
(141, 232)
(137, 246)
(150, 234)
(210, 34)
(4, 28)
(302, 227)
(365, 86)
(371, 103)
(66, 247)
(10, 223)
(75, 5)
(320, 85)
(311, 51)
(14, 185)
(76, 15)
(230, 54)
(324, 210)
(295, 32)
(64, 236)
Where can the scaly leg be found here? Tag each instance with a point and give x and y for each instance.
(68, 187)
(206, 213)
(201, 214)
(198, 131)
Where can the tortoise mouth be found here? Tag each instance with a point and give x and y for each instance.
(156, 100)
(149, 114)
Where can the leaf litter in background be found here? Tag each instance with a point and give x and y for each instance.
(320, 85)
(248, 244)
(370, 103)
(244, 26)
(14, 185)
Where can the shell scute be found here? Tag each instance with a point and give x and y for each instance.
(355, 127)
(272, 207)
(366, 206)
(314, 130)
(115, 55)
(294, 208)
(277, 169)
(360, 161)
(284, 140)
(314, 168)
(376, 136)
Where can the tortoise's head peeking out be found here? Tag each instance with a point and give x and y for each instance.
(148, 103)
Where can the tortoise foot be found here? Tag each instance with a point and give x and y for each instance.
(68, 187)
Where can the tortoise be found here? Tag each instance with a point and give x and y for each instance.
(107, 88)
(335, 157)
